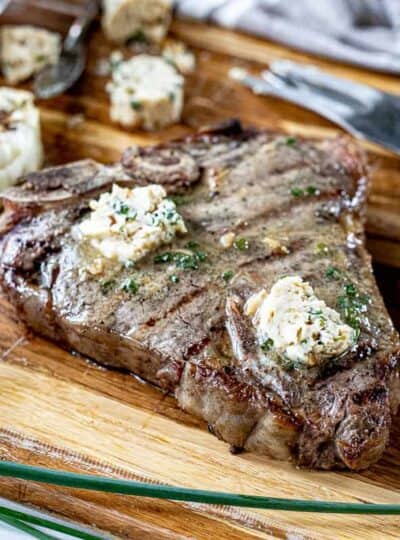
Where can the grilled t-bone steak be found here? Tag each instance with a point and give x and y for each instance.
(295, 208)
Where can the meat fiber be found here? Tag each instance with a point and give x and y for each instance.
(296, 208)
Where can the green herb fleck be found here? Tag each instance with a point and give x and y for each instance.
(316, 312)
(297, 192)
(333, 273)
(289, 364)
(322, 249)
(123, 209)
(139, 37)
(164, 258)
(185, 261)
(352, 304)
(192, 245)
(350, 289)
(267, 345)
(227, 275)
(178, 200)
(311, 190)
(171, 97)
(300, 192)
(107, 285)
(41, 58)
(135, 105)
(242, 244)
(130, 286)
(174, 278)
(290, 141)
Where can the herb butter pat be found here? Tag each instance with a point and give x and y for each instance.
(126, 224)
(146, 20)
(25, 50)
(145, 91)
(297, 325)
(21, 149)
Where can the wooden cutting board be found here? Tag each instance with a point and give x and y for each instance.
(62, 411)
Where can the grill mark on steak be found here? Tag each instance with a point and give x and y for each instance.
(193, 338)
(185, 299)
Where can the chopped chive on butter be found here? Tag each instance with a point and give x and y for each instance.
(242, 244)
(139, 37)
(130, 286)
(290, 141)
(107, 285)
(227, 275)
(136, 105)
(333, 273)
(123, 209)
(267, 345)
(41, 58)
(174, 278)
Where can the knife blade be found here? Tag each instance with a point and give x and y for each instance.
(363, 111)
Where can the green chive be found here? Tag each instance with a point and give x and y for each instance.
(192, 245)
(107, 285)
(160, 491)
(350, 289)
(322, 249)
(136, 105)
(242, 244)
(130, 286)
(164, 257)
(333, 273)
(227, 275)
(290, 141)
(297, 192)
(267, 345)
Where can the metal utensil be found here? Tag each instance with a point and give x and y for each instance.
(4, 5)
(361, 110)
(54, 80)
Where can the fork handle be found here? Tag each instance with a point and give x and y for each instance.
(78, 30)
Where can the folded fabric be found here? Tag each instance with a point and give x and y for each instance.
(361, 32)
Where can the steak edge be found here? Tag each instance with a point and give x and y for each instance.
(193, 338)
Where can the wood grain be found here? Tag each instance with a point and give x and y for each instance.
(62, 411)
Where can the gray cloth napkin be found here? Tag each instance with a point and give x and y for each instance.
(362, 32)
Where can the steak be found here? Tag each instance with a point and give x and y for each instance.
(191, 336)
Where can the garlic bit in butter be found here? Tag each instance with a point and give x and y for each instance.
(126, 224)
(299, 327)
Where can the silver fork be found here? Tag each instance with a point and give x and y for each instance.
(360, 109)
(54, 80)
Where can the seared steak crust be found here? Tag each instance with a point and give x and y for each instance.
(193, 337)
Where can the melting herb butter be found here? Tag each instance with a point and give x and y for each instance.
(291, 321)
(126, 224)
